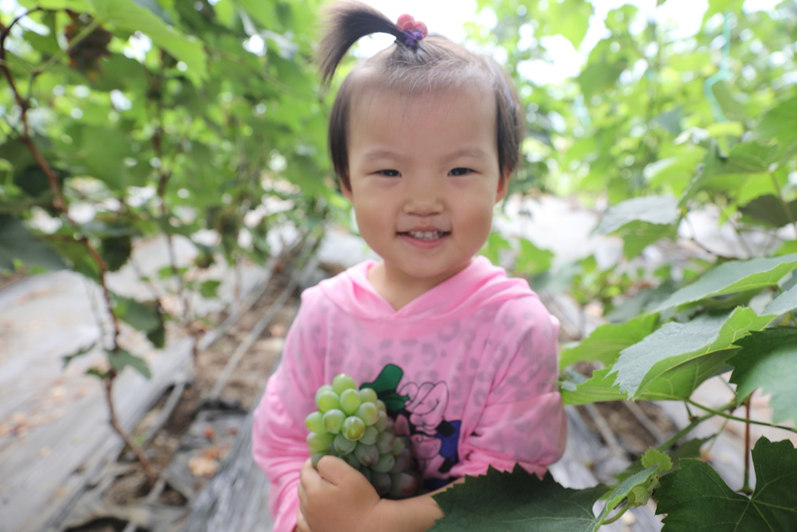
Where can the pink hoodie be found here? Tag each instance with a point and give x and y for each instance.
(470, 365)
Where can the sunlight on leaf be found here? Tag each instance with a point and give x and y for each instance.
(734, 276)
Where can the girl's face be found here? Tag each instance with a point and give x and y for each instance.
(424, 180)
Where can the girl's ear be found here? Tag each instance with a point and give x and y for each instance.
(345, 189)
(503, 184)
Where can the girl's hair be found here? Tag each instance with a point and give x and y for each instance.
(409, 66)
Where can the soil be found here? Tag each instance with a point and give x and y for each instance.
(240, 393)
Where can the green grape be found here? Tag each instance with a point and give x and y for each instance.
(381, 423)
(343, 382)
(342, 445)
(314, 422)
(385, 463)
(354, 428)
(319, 441)
(385, 442)
(369, 436)
(368, 395)
(368, 412)
(322, 389)
(333, 420)
(350, 401)
(317, 456)
(353, 424)
(327, 400)
(368, 455)
(399, 444)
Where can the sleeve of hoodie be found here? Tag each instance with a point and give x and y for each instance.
(523, 419)
(278, 433)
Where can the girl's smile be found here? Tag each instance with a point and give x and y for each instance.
(424, 180)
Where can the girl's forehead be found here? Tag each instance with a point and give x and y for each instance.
(376, 101)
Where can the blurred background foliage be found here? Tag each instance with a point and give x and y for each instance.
(204, 120)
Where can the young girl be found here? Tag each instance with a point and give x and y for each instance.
(423, 138)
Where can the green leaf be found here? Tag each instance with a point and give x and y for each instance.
(570, 19)
(516, 501)
(120, 359)
(778, 124)
(532, 260)
(127, 15)
(675, 358)
(210, 288)
(600, 387)
(733, 276)
(770, 210)
(696, 498)
(658, 210)
(606, 341)
(768, 360)
(641, 222)
(783, 303)
(142, 316)
(18, 244)
(636, 488)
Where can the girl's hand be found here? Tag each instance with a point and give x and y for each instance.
(337, 497)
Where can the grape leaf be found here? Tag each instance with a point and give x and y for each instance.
(768, 360)
(783, 303)
(19, 244)
(127, 15)
(680, 347)
(734, 276)
(121, 358)
(598, 388)
(656, 210)
(516, 501)
(696, 498)
(606, 341)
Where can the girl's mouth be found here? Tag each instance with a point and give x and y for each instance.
(426, 235)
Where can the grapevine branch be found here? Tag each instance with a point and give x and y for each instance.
(731, 417)
(60, 205)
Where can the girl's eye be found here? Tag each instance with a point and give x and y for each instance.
(389, 173)
(460, 171)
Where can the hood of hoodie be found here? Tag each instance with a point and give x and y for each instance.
(479, 285)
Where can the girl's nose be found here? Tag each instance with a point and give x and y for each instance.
(423, 199)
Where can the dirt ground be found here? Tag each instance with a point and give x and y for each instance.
(624, 431)
(241, 388)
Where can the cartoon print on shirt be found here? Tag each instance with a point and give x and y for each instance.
(418, 410)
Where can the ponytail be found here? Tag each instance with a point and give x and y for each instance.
(347, 23)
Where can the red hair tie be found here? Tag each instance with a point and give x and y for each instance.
(413, 30)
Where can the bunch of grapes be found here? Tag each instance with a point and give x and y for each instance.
(353, 424)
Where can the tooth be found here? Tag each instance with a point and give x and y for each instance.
(425, 235)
